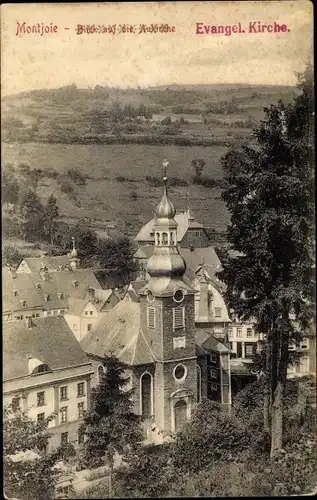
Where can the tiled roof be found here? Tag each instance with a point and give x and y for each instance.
(119, 332)
(208, 342)
(50, 340)
(184, 221)
(32, 289)
(52, 263)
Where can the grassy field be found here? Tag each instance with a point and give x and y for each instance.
(106, 203)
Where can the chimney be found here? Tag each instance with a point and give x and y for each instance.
(91, 294)
(28, 322)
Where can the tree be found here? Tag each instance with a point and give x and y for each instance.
(198, 166)
(11, 256)
(30, 215)
(166, 121)
(27, 476)
(115, 256)
(270, 197)
(51, 212)
(9, 187)
(86, 241)
(110, 426)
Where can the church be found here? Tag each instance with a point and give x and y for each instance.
(173, 364)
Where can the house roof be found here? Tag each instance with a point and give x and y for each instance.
(184, 219)
(49, 339)
(31, 288)
(119, 332)
(52, 263)
(208, 342)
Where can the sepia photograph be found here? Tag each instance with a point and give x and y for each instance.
(158, 249)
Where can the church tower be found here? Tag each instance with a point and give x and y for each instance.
(168, 323)
(74, 261)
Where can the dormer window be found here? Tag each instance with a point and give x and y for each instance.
(23, 303)
(14, 293)
(60, 295)
(75, 283)
(38, 286)
(41, 369)
(47, 297)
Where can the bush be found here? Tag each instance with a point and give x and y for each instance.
(76, 176)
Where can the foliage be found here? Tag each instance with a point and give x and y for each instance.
(115, 256)
(198, 166)
(27, 478)
(76, 176)
(166, 121)
(11, 256)
(270, 197)
(30, 216)
(110, 426)
(51, 212)
(9, 186)
(86, 241)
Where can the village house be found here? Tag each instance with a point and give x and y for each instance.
(45, 371)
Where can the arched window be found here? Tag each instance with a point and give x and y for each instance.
(172, 239)
(198, 383)
(164, 239)
(100, 374)
(40, 369)
(146, 395)
(158, 238)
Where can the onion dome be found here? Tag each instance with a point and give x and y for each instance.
(166, 263)
(165, 209)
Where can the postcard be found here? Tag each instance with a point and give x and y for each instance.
(158, 252)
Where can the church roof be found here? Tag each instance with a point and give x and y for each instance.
(119, 332)
(49, 339)
(184, 221)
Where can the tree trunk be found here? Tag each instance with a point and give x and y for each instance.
(278, 394)
(266, 409)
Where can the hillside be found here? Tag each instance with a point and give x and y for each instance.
(116, 139)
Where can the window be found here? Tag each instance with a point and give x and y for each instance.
(197, 233)
(214, 387)
(178, 296)
(40, 417)
(86, 313)
(291, 345)
(213, 373)
(55, 313)
(198, 383)
(63, 414)
(230, 345)
(100, 374)
(40, 398)
(63, 393)
(75, 327)
(64, 437)
(91, 313)
(41, 369)
(61, 312)
(48, 313)
(81, 437)
(213, 358)
(146, 389)
(249, 350)
(81, 389)
(37, 315)
(180, 372)
(164, 239)
(229, 332)
(15, 403)
(239, 332)
(304, 364)
(178, 318)
(151, 317)
(80, 409)
(304, 343)
(89, 327)
(218, 312)
(249, 332)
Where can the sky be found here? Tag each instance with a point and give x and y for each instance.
(31, 61)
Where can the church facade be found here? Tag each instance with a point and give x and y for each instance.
(173, 364)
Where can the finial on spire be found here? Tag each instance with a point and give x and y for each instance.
(73, 240)
(165, 165)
